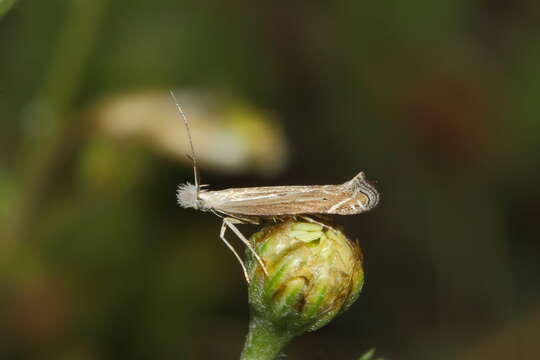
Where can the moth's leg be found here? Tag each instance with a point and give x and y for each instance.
(215, 212)
(230, 224)
(247, 220)
(311, 220)
(222, 236)
(238, 219)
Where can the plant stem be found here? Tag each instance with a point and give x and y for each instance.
(5, 5)
(264, 341)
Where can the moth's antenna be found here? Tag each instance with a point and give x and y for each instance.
(192, 157)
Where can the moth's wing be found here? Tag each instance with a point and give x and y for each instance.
(353, 197)
(282, 200)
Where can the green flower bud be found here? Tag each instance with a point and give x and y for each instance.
(314, 274)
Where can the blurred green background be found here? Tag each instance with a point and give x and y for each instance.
(438, 101)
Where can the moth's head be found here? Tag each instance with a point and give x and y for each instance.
(187, 196)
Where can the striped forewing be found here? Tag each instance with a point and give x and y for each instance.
(290, 200)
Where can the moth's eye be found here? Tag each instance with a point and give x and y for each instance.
(324, 199)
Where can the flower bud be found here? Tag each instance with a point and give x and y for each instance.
(314, 273)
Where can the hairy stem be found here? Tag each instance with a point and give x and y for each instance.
(264, 341)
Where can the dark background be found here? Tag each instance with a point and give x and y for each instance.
(438, 101)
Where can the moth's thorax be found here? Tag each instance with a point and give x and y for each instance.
(207, 200)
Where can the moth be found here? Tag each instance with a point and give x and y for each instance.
(255, 204)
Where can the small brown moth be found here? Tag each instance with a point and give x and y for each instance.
(254, 204)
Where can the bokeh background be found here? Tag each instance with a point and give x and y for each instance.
(438, 101)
